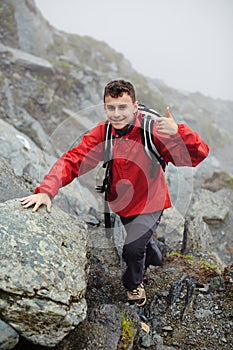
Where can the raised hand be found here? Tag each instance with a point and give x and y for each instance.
(167, 125)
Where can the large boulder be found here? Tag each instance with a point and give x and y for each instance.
(42, 272)
(209, 206)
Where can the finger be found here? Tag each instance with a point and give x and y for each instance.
(28, 204)
(168, 113)
(25, 199)
(49, 205)
(37, 205)
(25, 202)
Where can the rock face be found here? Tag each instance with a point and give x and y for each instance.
(209, 207)
(24, 59)
(42, 275)
(22, 153)
(21, 160)
(11, 186)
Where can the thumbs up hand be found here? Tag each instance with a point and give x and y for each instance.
(167, 125)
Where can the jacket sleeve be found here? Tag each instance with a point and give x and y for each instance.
(75, 162)
(186, 148)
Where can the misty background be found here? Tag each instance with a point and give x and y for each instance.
(188, 44)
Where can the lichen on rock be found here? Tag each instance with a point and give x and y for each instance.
(42, 275)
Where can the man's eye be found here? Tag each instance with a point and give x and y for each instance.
(122, 107)
(110, 108)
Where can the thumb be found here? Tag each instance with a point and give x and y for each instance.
(168, 113)
(49, 206)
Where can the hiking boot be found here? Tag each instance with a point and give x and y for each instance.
(137, 295)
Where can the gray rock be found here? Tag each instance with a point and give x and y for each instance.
(16, 105)
(33, 129)
(90, 219)
(42, 274)
(27, 159)
(103, 329)
(8, 336)
(34, 33)
(26, 60)
(22, 153)
(147, 341)
(171, 226)
(165, 347)
(75, 199)
(180, 182)
(209, 206)
(107, 318)
(199, 236)
(202, 313)
(11, 186)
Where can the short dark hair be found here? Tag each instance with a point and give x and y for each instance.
(116, 88)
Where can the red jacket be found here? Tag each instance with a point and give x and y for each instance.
(133, 190)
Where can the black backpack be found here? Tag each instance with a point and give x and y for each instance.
(148, 118)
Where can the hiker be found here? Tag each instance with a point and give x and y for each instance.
(134, 192)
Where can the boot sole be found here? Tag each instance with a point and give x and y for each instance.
(139, 303)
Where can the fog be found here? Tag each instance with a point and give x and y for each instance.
(186, 43)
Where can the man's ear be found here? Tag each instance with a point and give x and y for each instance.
(135, 106)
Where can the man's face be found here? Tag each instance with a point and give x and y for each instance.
(120, 111)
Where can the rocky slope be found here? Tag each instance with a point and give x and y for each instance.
(51, 86)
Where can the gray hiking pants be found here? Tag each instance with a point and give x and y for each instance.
(140, 250)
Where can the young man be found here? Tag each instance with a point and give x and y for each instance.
(136, 195)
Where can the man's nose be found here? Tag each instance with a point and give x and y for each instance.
(116, 112)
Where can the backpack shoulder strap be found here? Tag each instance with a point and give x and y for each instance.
(106, 186)
(148, 111)
(147, 138)
(108, 143)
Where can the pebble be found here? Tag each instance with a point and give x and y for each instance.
(167, 328)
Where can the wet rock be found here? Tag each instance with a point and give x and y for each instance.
(42, 275)
(8, 336)
(102, 329)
